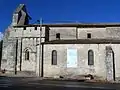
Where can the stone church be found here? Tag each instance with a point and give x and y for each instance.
(61, 49)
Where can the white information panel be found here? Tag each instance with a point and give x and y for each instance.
(72, 58)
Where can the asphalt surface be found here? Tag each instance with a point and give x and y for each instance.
(19, 83)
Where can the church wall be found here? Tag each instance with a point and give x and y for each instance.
(30, 38)
(114, 32)
(96, 33)
(65, 32)
(81, 33)
(8, 57)
(99, 33)
(68, 32)
(116, 49)
(27, 32)
(30, 44)
(98, 69)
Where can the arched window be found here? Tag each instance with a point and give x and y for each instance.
(54, 57)
(90, 57)
(27, 55)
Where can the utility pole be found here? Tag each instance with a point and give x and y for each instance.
(40, 22)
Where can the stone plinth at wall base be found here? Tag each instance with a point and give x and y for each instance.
(101, 81)
(19, 74)
(55, 77)
(81, 78)
(63, 79)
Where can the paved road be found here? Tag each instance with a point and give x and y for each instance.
(17, 83)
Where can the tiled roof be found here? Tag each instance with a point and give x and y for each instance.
(75, 25)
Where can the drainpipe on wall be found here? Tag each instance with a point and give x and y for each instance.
(21, 55)
(16, 56)
(42, 60)
(113, 66)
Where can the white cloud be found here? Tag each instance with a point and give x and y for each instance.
(1, 35)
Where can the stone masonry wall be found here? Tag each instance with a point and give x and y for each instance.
(98, 69)
(65, 32)
(30, 38)
(8, 55)
(28, 32)
(99, 33)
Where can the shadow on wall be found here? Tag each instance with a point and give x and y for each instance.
(1, 43)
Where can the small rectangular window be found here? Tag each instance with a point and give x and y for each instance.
(35, 28)
(89, 35)
(24, 28)
(58, 36)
